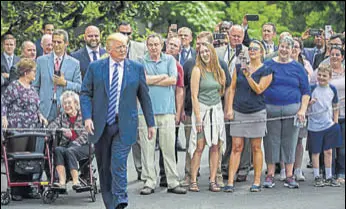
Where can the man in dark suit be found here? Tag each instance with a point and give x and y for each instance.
(109, 107)
(8, 59)
(92, 50)
(187, 52)
(47, 28)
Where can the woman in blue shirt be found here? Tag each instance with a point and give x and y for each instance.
(288, 95)
(246, 102)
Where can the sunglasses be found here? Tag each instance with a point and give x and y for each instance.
(251, 48)
(126, 34)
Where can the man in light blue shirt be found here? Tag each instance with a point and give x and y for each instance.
(161, 75)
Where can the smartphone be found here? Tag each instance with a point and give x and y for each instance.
(315, 32)
(327, 31)
(252, 17)
(243, 63)
(238, 49)
(219, 36)
(174, 28)
(57, 73)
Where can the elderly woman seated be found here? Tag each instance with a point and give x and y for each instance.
(73, 145)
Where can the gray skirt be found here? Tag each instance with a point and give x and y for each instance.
(249, 130)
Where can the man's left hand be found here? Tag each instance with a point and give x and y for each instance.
(151, 132)
(59, 80)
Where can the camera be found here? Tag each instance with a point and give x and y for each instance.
(327, 31)
(315, 32)
(219, 36)
(252, 17)
(238, 49)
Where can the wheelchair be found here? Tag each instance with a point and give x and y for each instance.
(87, 177)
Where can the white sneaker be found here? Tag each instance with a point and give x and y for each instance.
(282, 175)
(299, 175)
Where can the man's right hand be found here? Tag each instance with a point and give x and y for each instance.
(89, 126)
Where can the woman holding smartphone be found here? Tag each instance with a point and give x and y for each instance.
(245, 103)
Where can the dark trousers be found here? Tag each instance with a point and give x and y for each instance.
(111, 156)
(161, 161)
(71, 155)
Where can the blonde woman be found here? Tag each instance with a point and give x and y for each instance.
(207, 86)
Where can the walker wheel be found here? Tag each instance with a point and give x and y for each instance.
(49, 196)
(5, 198)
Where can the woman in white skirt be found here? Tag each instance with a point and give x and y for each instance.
(246, 103)
(207, 86)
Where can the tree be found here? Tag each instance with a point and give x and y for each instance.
(24, 19)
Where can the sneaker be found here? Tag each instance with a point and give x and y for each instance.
(228, 188)
(255, 188)
(269, 182)
(318, 182)
(309, 165)
(219, 181)
(282, 175)
(291, 183)
(299, 175)
(331, 182)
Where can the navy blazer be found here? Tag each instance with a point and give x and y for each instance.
(94, 98)
(84, 59)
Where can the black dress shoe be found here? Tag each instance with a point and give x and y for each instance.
(121, 206)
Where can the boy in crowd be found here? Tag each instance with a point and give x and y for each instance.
(324, 132)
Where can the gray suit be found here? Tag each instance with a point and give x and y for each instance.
(136, 50)
(44, 81)
(245, 161)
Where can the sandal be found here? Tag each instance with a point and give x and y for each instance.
(214, 187)
(193, 187)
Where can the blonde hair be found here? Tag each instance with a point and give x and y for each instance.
(68, 94)
(214, 65)
(325, 68)
(115, 37)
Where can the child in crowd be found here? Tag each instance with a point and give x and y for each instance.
(324, 131)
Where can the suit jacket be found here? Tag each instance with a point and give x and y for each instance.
(6, 69)
(94, 99)
(39, 49)
(267, 50)
(84, 58)
(43, 82)
(136, 50)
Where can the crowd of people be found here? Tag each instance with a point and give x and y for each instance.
(232, 94)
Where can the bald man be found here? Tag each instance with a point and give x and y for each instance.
(92, 50)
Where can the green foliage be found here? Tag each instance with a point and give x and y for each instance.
(24, 18)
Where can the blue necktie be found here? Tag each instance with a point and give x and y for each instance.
(94, 55)
(182, 56)
(113, 94)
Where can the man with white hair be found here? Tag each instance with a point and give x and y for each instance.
(47, 44)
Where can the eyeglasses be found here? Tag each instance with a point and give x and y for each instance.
(126, 34)
(252, 48)
(335, 55)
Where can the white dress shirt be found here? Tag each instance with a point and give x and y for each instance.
(91, 55)
(120, 77)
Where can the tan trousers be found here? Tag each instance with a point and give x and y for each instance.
(167, 145)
